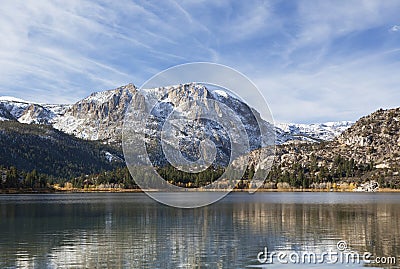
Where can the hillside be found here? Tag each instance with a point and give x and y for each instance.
(375, 138)
(49, 151)
(369, 150)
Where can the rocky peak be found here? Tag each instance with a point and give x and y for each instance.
(27, 112)
(178, 94)
(104, 104)
(98, 116)
(12, 108)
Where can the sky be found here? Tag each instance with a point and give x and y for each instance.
(314, 61)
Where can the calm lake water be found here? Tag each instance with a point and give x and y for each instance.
(132, 231)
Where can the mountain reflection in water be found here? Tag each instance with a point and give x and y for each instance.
(132, 231)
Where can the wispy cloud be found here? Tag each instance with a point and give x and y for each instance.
(347, 90)
(48, 48)
(314, 61)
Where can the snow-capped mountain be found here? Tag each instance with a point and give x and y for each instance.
(100, 115)
(189, 114)
(28, 112)
(12, 108)
(315, 132)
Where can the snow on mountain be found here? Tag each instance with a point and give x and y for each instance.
(190, 103)
(28, 112)
(13, 99)
(220, 93)
(14, 107)
(100, 115)
(111, 157)
(57, 109)
(36, 114)
(4, 113)
(311, 132)
(99, 97)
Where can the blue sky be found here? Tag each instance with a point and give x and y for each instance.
(313, 61)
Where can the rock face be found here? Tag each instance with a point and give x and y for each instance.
(4, 113)
(98, 116)
(189, 115)
(27, 112)
(36, 114)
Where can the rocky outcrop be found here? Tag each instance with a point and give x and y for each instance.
(374, 138)
(98, 116)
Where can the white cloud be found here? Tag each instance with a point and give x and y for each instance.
(395, 28)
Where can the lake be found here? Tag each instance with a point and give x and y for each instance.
(130, 230)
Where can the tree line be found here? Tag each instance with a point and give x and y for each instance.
(295, 175)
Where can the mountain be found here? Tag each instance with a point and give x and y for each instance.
(188, 114)
(307, 154)
(28, 112)
(315, 132)
(96, 117)
(100, 115)
(368, 150)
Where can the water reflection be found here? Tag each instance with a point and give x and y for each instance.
(132, 231)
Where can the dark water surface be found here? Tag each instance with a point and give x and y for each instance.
(132, 231)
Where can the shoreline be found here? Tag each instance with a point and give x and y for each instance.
(63, 191)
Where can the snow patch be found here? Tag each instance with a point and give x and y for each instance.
(13, 99)
(58, 109)
(221, 93)
(100, 97)
(110, 157)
